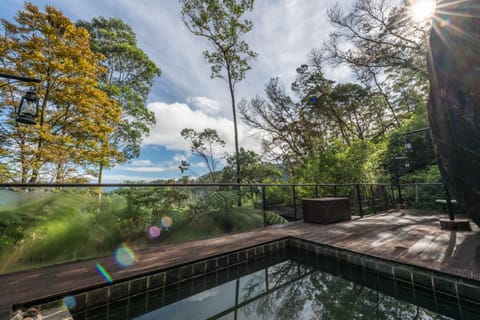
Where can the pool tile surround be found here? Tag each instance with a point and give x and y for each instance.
(122, 290)
(450, 294)
(465, 293)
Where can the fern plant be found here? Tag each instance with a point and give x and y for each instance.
(275, 218)
(222, 200)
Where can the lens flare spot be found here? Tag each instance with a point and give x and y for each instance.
(104, 273)
(154, 232)
(445, 22)
(125, 256)
(166, 222)
(70, 302)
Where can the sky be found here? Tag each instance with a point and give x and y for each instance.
(184, 96)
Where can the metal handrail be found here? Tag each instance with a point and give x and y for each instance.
(93, 185)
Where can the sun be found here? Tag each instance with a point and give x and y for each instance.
(422, 10)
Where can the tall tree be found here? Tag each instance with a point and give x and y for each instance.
(129, 80)
(297, 129)
(385, 49)
(287, 132)
(220, 22)
(76, 117)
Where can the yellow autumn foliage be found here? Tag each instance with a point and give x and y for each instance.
(76, 118)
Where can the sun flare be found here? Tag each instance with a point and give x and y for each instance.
(422, 10)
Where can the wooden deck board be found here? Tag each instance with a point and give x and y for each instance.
(406, 236)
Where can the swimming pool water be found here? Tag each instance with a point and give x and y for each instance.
(285, 286)
(290, 290)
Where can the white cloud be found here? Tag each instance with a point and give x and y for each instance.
(118, 178)
(204, 104)
(284, 32)
(140, 163)
(148, 166)
(341, 73)
(180, 157)
(200, 165)
(172, 118)
(150, 169)
(204, 295)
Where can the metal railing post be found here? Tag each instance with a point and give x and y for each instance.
(397, 180)
(264, 205)
(392, 194)
(316, 190)
(372, 195)
(384, 200)
(359, 197)
(416, 192)
(451, 214)
(294, 194)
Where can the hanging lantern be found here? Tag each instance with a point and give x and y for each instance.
(408, 146)
(28, 108)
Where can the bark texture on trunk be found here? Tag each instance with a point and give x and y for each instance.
(454, 106)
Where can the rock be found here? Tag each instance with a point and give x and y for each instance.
(17, 315)
(31, 312)
(454, 106)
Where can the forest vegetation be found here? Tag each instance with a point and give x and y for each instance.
(93, 115)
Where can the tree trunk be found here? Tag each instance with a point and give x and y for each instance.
(235, 128)
(231, 88)
(100, 191)
(100, 173)
(454, 106)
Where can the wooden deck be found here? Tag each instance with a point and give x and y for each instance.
(405, 236)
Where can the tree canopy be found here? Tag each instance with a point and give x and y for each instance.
(221, 23)
(344, 132)
(319, 131)
(385, 49)
(320, 119)
(129, 79)
(76, 116)
(206, 145)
